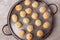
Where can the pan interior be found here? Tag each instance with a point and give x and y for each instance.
(16, 30)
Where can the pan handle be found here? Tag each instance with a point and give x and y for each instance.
(55, 6)
(7, 34)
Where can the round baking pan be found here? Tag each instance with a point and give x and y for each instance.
(13, 31)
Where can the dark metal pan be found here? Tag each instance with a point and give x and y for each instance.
(10, 26)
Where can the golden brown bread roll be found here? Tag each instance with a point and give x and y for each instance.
(46, 15)
(21, 33)
(34, 15)
(22, 13)
(30, 28)
(27, 2)
(18, 24)
(46, 25)
(38, 22)
(42, 9)
(28, 10)
(18, 7)
(26, 20)
(40, 33)
(35, 4)
(14, 18)
(29, 36)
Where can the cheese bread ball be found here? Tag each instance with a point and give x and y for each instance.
(29, 36)
(21, 33)
(46, 25)
(29, 39)
(26, 20)
(27, 2)
(18, 7)
(22, 13)
(38, 22)
(28, 10)
(34, 15)
(29, 28)
(18, 24)
(42, 9)
(40, 33)
(35, 4)
(14, 18)
(46, 15)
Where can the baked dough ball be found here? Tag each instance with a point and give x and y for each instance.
(29, 36)
(28, 10)
(46, 25)
(46, 15)
(26, 20)
(18, 24)
(18, 7)
(42, 9)
(38, 22)
(27, 2)
(29, 28)
(40, 33)
(29, 39)
(35, 4)
(14, 18)
(22, 13)
(21, 33)
(34, 16)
